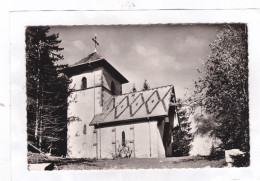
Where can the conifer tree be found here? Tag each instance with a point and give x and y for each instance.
(146, 85)
(133, 89)
(47, 91)
(182, 135)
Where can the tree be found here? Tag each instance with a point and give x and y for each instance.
(205, 125)
(133, 89)
(47, 91)
(222, 90)
(182, 136)
(146, 86)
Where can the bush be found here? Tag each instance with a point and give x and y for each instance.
(241, 160)
(216, 153)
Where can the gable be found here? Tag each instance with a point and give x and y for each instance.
(143, 104)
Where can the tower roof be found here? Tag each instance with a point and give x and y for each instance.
(92, 61)
(90, 58)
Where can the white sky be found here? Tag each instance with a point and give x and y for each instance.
(162, 54)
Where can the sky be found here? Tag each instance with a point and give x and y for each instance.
(162, 54)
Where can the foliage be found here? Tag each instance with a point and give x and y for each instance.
(241, 160)
(222, 90)
(146, 86)
(216, 153)
(182, 136)
(133, 89)
(47, 91)
(205, 125)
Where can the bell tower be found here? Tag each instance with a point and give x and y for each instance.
(93, 81)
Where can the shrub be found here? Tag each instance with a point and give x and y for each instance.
(241, 160)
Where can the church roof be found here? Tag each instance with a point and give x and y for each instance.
(138, 105)
(90, 58)
(92, 61)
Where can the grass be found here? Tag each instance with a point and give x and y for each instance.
(126, 163)
(144, 163)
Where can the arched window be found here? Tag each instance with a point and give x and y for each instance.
(85, 129)
(113, 88)
(84, 83)
(123, 138)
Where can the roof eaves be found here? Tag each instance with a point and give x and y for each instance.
(124, 120)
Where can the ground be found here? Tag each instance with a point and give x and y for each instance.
(143, 163)
(127, 163)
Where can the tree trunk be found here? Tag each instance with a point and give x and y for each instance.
(38, 101)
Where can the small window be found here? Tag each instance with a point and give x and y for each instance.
(113, 88)
(84, 83)
(123, 139)
(85, 129)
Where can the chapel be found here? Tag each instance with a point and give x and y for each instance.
(109, 124)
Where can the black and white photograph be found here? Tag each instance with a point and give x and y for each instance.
(137, 96)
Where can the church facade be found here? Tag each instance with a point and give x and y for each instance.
(106, 123)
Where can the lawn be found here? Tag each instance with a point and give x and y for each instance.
(127, 163)
(143, 163)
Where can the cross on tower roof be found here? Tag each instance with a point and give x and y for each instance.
(95, 41)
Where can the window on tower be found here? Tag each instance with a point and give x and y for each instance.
(113, 92)
(84, 83)
(85, 129)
